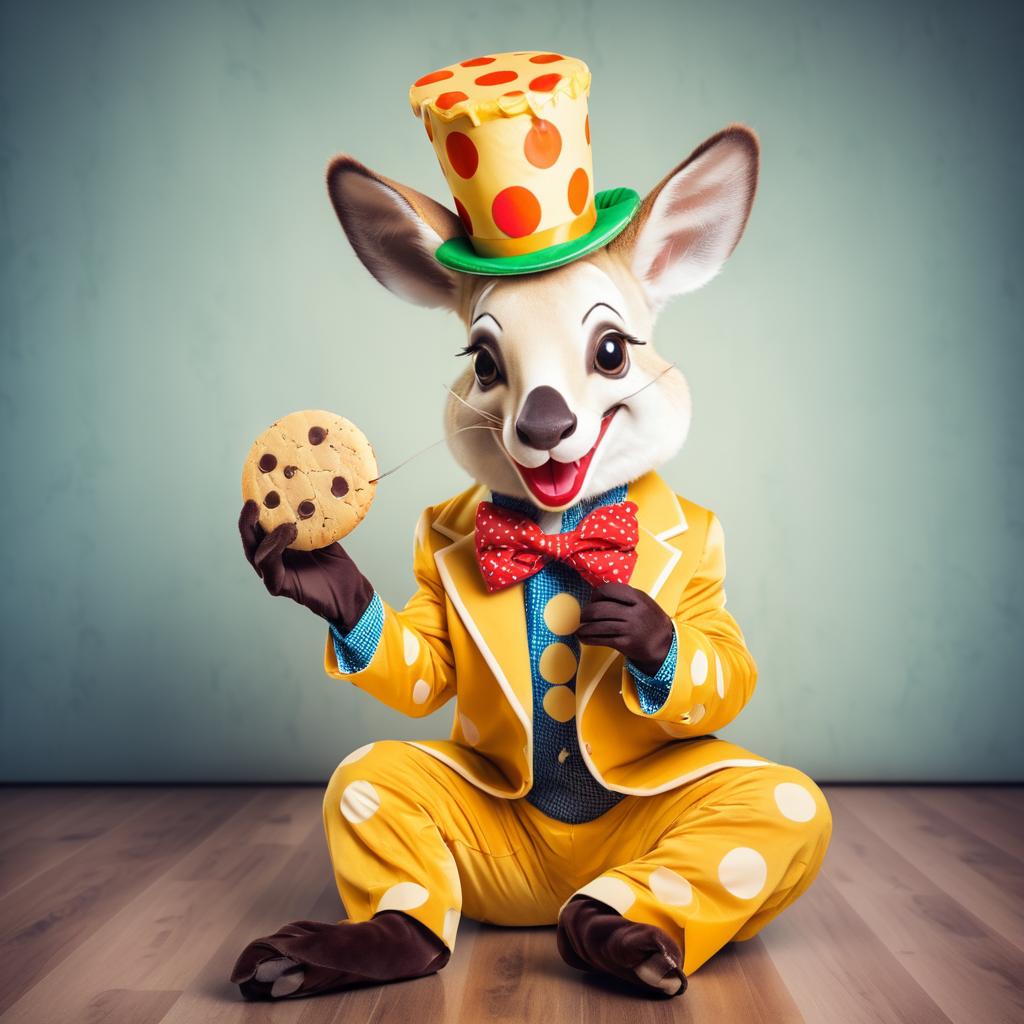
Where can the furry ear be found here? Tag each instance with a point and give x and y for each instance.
(394, 231)
(689, 224)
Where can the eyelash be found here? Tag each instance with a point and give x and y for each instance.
(627, 338)
(475, 346)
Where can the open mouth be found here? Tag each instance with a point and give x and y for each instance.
(556, 484)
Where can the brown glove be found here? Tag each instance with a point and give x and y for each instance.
(325, 581)
(629, 621)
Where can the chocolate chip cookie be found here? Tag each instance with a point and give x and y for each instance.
(314, 469)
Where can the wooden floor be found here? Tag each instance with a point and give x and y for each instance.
(122, 904)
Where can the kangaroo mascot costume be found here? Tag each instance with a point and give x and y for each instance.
(569, 602)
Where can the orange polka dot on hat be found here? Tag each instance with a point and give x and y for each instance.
(511, 132)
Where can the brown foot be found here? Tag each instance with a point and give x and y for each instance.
(594, 937)
(308, 957)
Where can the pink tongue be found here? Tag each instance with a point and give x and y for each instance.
(554, 478)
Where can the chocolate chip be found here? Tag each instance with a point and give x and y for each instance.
(272, 500)
(290, 471)
(339, 487)
(317, 435)
(267, 463)
(306, 509)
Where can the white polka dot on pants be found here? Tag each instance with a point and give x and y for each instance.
(743, 872)
(420, 692)
(359, 801)
(795, 802)
(613, 891)
(356, 754)
(403, 896)
(670, 887)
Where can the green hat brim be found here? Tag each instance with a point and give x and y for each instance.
(615, 209)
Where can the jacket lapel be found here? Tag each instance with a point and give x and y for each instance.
(496, 622)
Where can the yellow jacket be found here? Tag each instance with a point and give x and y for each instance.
(454, 639)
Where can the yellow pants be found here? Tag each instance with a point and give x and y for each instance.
(709, 862)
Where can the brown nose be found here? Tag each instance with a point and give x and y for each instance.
(545, 419)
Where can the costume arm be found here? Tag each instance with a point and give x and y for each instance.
(401, 657)
(714, 674)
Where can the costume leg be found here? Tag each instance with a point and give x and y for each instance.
(409, 840)
(707, 863)
(408, 833)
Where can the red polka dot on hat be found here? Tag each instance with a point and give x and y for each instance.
(516, 211)
(545, 83)
(463, 213)
(543, 143)
(462, 154)
(579, 189)
(497, 78)
(434, 76)
(447, 100)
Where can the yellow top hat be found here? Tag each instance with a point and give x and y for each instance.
(512, 134)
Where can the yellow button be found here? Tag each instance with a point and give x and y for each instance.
(562, 614)
(557, 663)
(560, 703)
(694, 715)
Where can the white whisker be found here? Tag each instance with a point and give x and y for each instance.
(479, 412)
(434, 444)
(653, 380)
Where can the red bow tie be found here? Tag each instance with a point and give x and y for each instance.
(510, 547)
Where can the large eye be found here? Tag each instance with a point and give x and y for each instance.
(610, 357)
(485, 368)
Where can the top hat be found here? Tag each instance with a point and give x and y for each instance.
(512, 134)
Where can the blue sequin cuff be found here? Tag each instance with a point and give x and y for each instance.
(356, 648)
(653, 691)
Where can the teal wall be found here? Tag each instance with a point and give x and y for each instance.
(174, 279)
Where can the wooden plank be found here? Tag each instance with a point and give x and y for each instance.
(26, 807)
(525, 980)
(978, 874)
(1011, 797)
(836, 969)
(983, 810)
(740, 983)
(80, 817)
(293, 893)
(157, 940)
(770, 999)
(123, 1006)
(970, 971)
(42, 923)
(517, 975)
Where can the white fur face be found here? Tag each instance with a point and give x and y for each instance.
(544, 330)
(551, 420)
